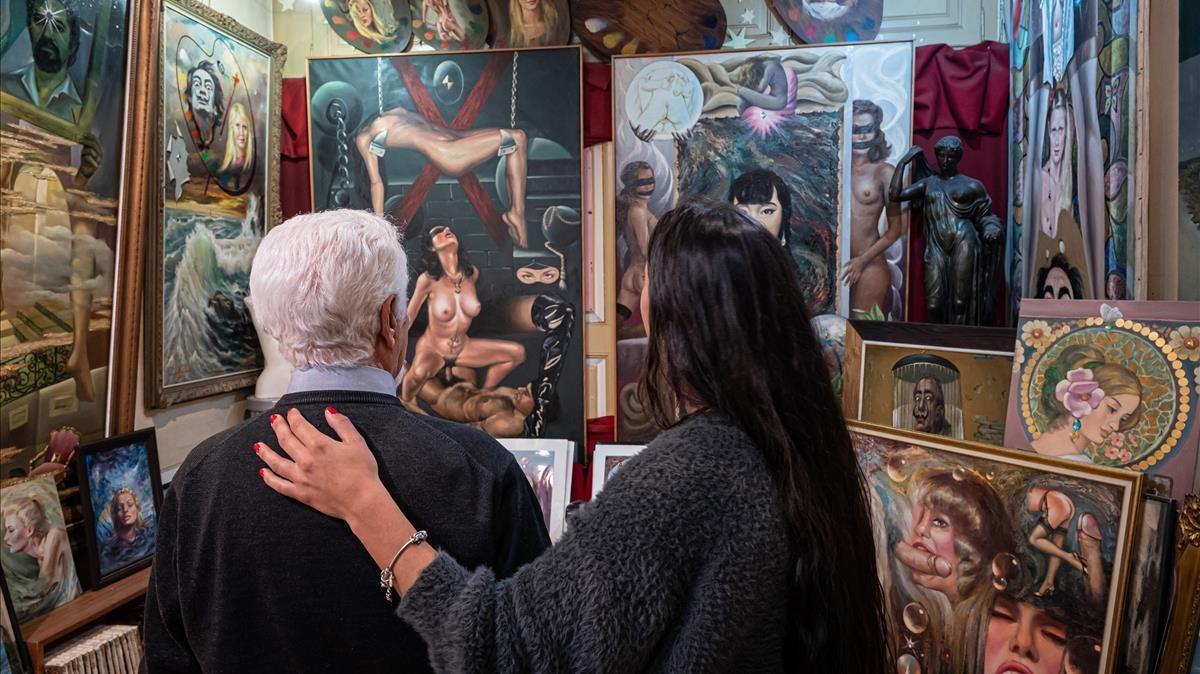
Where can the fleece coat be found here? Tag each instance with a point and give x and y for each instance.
(680, 565)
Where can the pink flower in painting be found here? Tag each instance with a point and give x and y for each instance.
(1079, 392)
(1126, 456)
(1117, 439)
(1112, 453)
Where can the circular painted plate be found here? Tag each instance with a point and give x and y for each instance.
(370, 26)
(612, 27)
(450, 25)
(529, 23)
(817, 21)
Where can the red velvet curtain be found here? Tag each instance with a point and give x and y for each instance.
(962, 92)
(295, 187)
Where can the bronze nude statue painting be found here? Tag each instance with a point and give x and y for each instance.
(963, 238)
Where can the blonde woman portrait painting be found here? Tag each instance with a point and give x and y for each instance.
(237, 168)
(1087, 399)
(536, 23)
(34, 528)
(373, 20)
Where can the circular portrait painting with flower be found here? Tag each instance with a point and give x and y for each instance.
(1110, 393)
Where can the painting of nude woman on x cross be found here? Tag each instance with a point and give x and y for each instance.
(483, 179)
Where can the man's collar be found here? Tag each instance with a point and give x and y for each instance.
(64, 88)
(343, 378)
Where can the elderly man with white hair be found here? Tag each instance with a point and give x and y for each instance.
(246, 580)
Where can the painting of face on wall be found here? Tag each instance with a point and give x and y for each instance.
(119, 480)
(980, 548)
(484, 179)
(219, 191)
(529, 23)
(62, 127)
(1109, 384)
(370, 26)
(36, 555)
(1075, 126)
(778, 133)
(926, 378)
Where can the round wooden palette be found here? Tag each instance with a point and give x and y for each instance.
(382, 26)
(821, 21)
(612, 27)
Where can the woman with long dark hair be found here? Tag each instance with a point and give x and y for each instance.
(738, 540)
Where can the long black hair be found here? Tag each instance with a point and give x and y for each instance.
(433, 265)
(729, 332)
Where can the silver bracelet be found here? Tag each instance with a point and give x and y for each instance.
(386, 575)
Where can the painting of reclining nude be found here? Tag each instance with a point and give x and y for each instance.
(482, 174)
(994, 561)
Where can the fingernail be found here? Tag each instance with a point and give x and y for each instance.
(274, 417)
(330, 410)
(256, 449)
(262, 472)
(943, 567)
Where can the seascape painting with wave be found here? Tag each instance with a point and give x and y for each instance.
(219, 193)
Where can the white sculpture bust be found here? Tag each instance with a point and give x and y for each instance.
(277, 371)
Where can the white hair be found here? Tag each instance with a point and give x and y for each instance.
(319, 280)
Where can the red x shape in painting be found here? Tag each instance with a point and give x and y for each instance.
(470, 109)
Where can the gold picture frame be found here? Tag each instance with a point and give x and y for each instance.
(1179, 644)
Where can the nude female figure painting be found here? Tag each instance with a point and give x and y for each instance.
(472, 158)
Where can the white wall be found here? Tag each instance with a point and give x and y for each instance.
(182, 427)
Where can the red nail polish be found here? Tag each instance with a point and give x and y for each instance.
(257, 448)
(274, 417)
(330, 410)
(262, 472)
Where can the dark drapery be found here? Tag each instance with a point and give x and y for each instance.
(295, 188)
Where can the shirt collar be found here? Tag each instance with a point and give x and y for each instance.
(65, 88)
(343, 378)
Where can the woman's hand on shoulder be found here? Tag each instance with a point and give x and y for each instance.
(338, 478)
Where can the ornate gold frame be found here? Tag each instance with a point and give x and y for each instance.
(157, 395)
(1185, 612)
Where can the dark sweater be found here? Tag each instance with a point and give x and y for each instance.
(680, 565)
(247, 580)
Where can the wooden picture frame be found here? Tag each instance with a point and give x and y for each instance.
(14, 650)
(170, 384)
(605, 461)
(1179, 655)
(959, 347)
(916, 481)
(135, 455)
